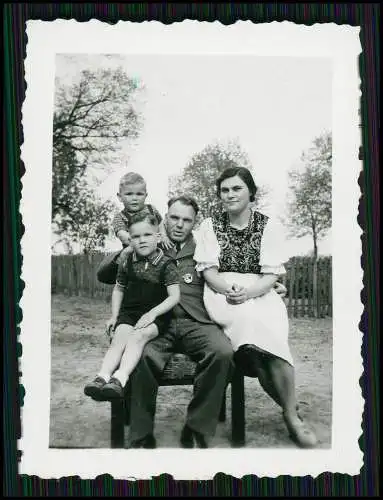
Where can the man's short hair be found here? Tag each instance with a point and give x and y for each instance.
(142, 217)
(131, 178)
(185, 200)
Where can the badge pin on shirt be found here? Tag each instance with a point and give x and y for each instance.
(188, 278)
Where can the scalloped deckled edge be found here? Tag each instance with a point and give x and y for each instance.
(37, 459)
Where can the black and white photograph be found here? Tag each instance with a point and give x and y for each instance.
(195, 252)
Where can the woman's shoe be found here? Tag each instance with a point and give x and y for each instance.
(301, 434)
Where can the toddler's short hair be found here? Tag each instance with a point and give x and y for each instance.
(142, 217)
(131, 178)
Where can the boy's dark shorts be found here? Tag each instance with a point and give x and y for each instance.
(131, 319)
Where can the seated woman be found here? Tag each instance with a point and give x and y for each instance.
(240, 253)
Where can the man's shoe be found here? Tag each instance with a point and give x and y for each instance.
(95, 389)
(190, 438)
(186, 439)
(113, 389)
(148, 442)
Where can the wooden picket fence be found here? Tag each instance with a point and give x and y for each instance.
(76, 275)
(303, 298)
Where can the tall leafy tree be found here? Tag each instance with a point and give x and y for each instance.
(198, 177)
(92, 117)
(87, 224)
(309, 210)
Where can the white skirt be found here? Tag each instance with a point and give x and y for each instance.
(262, 321)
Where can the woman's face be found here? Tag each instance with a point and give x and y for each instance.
(235, 194)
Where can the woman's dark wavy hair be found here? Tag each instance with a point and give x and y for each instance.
(243, 173)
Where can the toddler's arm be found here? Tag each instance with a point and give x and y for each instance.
(124, 254)
(165, 240)
(120, 229)
(123, 236)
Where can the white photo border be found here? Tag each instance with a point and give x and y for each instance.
(45, 40)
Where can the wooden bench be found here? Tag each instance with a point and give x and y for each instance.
(180, 371)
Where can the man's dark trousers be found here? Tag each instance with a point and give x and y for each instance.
(210, 348)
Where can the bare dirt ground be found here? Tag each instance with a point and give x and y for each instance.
(78, 345)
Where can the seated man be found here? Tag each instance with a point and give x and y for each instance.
(191, 332)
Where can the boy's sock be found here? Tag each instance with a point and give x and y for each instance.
(121, 377)
(105, 376)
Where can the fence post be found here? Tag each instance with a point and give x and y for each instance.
(291, 285)
(315, 287)
(98, 287)
(325, 296)
(310, 287)
(81, 272)
(307, 288)
(90, 274)
(75, 274)
(296, 287)
(68, 277)
(319, 288)
(322, 297)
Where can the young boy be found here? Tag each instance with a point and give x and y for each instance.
(146, 289)
(132, 194)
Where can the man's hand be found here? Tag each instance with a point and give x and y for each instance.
(110, 327)
(145, 320)
(280, 289)
(166, 242)
(236, 295)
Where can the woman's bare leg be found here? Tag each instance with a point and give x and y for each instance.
(134, 346)
(267, 385)
(282, 379)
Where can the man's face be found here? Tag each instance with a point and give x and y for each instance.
(180, 221)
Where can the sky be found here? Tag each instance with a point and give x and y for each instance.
(273, 106)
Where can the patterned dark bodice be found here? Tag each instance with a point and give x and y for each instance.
(240, 248)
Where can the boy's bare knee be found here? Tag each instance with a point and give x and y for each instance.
(147, 333)
(122, 334)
